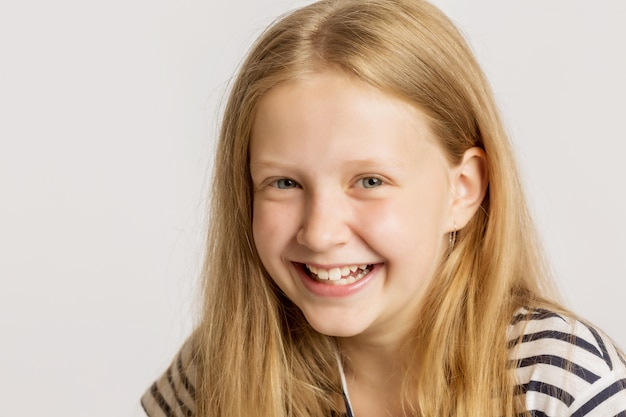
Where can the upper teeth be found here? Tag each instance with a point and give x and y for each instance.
(335, 274)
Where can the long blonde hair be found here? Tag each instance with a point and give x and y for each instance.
(258, 354)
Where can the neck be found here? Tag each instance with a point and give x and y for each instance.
(360, 356)
(374, 376)
(375, 352)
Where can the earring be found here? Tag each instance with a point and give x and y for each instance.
(452, 238)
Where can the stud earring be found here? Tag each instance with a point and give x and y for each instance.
(452, 238)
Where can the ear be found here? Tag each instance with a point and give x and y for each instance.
(469, 186)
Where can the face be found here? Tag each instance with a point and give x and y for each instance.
(351, 203)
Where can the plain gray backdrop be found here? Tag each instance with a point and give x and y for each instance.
(108, 114)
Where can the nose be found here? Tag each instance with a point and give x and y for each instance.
(325, 223)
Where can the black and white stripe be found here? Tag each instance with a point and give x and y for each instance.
(562, 366)
(173, 394)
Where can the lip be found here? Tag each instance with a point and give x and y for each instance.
(329, 290)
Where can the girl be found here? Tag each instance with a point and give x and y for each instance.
(370, 250)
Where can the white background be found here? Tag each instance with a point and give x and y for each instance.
(108, 111)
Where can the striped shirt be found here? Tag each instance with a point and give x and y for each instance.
(565, 367)
(562, 367)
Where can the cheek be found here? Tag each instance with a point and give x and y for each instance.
(406, 225)
(272, 228)
(262, 224)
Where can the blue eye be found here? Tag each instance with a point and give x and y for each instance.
(285, 184)
(370, 182)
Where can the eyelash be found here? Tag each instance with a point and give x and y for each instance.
(364, 182)
(292, 184)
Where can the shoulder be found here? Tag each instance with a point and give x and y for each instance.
(565, 367)
(173, 394)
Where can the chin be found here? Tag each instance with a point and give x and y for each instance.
(335, 328)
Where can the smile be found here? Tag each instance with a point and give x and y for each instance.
(345, 275)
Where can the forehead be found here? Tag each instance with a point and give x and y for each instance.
(328, 122)
(330, 103)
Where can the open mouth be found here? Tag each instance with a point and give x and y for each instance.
(345, 275)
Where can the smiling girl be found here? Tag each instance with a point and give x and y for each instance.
(370, 250)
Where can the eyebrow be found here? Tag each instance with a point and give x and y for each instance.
(363, 163)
